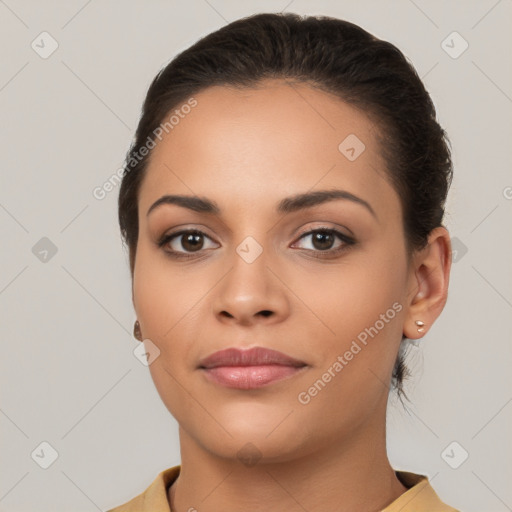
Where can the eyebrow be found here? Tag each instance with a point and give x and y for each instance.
(285, 206)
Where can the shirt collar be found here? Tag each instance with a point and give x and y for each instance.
(420, 496)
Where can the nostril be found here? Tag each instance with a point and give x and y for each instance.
(266, 312)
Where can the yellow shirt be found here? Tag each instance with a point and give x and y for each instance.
(420, 497)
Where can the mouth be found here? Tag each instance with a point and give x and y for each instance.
(249, 368)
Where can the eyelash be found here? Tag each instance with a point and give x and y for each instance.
(330, 253)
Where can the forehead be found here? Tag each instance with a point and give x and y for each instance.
(262, 144)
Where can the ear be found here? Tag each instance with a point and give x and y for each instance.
(428, 283)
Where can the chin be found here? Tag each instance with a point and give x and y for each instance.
(257, 449)
(253, 436)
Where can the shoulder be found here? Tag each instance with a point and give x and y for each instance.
(154, 498)
(420, 496)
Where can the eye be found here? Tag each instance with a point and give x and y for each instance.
(323, 240)
(184, 243)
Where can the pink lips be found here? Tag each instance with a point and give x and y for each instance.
(250, 368)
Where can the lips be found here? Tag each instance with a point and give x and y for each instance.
(249, 368)
(257, 356)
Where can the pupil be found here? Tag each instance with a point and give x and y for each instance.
(324, 240)
(194, 240)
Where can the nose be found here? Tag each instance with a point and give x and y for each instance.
(251, 293)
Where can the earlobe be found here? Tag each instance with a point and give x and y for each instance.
(421, 325)
(137, 334)
(428, 284)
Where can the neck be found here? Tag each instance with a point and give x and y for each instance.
(353, 474)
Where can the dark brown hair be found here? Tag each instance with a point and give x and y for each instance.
(337, 57)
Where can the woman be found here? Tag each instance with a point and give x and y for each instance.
(282, 204)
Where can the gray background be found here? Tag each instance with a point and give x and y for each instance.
(68, 373)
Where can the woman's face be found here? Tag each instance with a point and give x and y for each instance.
(255, 275)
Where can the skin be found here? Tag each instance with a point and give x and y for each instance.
(247, 150)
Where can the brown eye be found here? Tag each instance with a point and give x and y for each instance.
(192, 241)
(324, 239)
(323, 242)
(185, 243)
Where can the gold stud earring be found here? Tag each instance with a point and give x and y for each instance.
(420, 325)
(136, 331)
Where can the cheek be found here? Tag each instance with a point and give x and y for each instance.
(351, 297)
(164, 306)
(359, 305)
(170, 305)
(160, 299)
